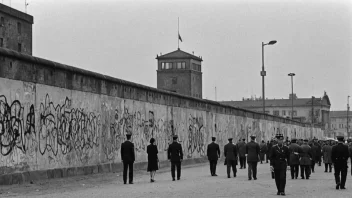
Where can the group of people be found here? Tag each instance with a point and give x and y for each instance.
(281, 154)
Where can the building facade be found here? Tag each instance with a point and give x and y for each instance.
(340, 123)
(180, 72)
(308, 110)
(15, 30)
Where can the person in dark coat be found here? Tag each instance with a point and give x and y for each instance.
(230, 153)
(241, 148)
(253, 155)
(175, 156)
(128, 158)
(306, 159)
(213, 153)
(279, 159)
(319, 153)
(153, 159)
(263, 151)
(268, 145)
(339, 156)
(327, 148)
(294, 150)
(314, 150)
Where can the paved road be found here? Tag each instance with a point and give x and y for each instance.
(195, 182)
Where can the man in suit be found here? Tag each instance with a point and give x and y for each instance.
(213, 153)
(253, 155)
(279, 157)
(175, 156)
(241, 148)
(230, 152)
(306, 159)
(263, 151)
(339, 156)
(128, 158)
(294, 150)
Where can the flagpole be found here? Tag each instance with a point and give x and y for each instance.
(178, 32)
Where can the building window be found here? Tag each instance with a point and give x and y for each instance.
(162, 65)
(276, 113)
(283, 112)
(183, 65)
(174, 66)
(1, 42)
(19, 28)
(19, 47)
(2, 22)
(179, 65)
(174, 80)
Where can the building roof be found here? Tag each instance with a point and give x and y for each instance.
(178, 54)
(16, 13)
(276, 103)
(339, 114)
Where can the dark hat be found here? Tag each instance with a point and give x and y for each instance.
(340, 138)
(252, 136)
(306, 140)
(244, 139)
(279, 136)
(175, 137)
(294, 140)
(213, 138)
(230, 139)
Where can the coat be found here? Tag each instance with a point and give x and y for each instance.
(306, 155)
(230, 152)
(279, 157)
(241, 148)
(327, 154)
(252, 151)
(293, 149)
(153, 160)
(263, 148)
(213, 151)
(314, 150)
(127, 152)
(174, 152)
(339, 155)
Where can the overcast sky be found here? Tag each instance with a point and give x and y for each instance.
(122, 38)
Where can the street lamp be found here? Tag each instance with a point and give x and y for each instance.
(292, 75)
(348, 108)
(263, 72)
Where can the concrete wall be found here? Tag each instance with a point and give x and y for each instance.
(54, 116)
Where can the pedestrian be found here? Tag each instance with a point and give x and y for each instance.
(279, 159)
(175, 156)
(128, 158)
(306, 159)
(327, 148)
(294, 150)
(213, 153)
(230, 153)
(268, 146)
(314, 149)
(263, 151)
(339, 156)
(241, 147)
(350, 151)
(153, 160)
(319, 153)
(252, 152)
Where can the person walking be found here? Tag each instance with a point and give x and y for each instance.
(175, 156)
(263, 151)
(306, 159)
(241, 147)
(252, 152)
(213, 153)
(153, 160)
(268, 146)
(230, 153)
(294, 150)
(339, 156)
(128, 158)
(279, 159)
(327, 148)
(314, 150)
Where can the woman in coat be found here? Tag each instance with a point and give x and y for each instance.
(327, 156)
(153, 159)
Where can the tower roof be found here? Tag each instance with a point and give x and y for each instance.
(178, 54)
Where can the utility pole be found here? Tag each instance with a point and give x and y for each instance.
(312, 110)
(348, 108)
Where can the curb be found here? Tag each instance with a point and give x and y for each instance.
(27, 177)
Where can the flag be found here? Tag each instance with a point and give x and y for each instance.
(179, 37)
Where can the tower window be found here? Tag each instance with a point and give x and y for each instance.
(19, 28)
(19, 47)
(179, 65)
(183, 65)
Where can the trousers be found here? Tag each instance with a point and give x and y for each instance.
(294, 171)
(280, 179)
(231, 163)
(326, 167)
(340, 168)
(313, 165)
(305, 169)
(213, 166)
(252, 168)
(178, 166)
(129, 166)
(243, 162)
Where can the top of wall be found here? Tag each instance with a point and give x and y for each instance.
(16, 13)
(33, 69)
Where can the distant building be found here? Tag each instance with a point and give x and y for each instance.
(338, 123)
(15, 30)
(308, 110)
(180, 72)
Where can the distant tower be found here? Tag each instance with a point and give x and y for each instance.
(180, 72)
(15, 30)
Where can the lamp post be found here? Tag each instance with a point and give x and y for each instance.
(263, 72)
(292, 75)
(348, 108)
